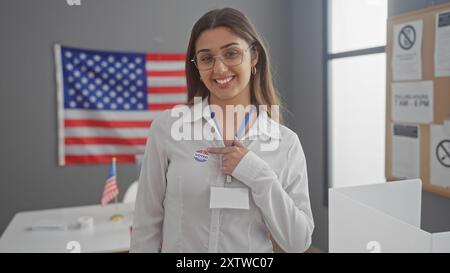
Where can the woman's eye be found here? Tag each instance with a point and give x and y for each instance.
(231, 54)
(205, 59)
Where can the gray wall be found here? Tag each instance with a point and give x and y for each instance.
(435, 209)
(396, 7)
(306, 103)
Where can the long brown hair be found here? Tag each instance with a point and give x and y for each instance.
(262, 91)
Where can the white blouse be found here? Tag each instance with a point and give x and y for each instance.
(173, 213)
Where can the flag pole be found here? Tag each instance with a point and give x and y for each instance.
(115, 205)
(117, 217)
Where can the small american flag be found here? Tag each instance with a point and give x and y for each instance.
(110, 190)
(107, 101)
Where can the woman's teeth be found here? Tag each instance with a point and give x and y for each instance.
(224, 81)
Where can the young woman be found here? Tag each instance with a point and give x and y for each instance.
(234, 192)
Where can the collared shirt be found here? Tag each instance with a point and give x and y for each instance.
(173, 213)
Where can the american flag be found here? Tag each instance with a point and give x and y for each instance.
(110, 190)
(107, 101)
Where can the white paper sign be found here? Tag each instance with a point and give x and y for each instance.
(405, 151)
(442, 45)
(439, 156)
(231, 198)
(412, 102)
(407, 51)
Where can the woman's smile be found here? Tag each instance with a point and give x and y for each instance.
(224, 82)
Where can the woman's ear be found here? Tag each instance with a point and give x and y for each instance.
(255, 56)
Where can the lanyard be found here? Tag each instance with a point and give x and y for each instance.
(239, 131)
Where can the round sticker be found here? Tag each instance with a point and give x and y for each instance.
(201, 155)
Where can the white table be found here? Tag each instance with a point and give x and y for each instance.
(106, 236)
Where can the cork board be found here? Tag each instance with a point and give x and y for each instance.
(441, 91)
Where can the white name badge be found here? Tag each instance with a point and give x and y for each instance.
(229, 198)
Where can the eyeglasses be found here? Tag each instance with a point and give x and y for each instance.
(230, 57)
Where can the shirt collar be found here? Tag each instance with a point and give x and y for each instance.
(263, 126)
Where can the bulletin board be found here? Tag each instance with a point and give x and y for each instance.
(441, 95)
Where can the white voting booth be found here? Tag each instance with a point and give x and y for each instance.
(381, 218)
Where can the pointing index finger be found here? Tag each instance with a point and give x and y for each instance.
(218, 150)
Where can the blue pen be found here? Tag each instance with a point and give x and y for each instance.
(242, 128)
(217, 125)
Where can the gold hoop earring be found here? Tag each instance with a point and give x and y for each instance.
(254, 70)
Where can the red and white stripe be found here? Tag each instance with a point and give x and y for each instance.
(166, 80)
(110, 191)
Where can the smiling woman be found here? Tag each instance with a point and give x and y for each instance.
(236, 191)
(229, 36)
(230, 68)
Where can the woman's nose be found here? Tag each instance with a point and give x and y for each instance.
(219, 66)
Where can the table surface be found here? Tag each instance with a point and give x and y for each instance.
(106, 236)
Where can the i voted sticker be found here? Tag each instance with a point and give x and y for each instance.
(201, 155)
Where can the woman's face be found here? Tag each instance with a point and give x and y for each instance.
(224, 81)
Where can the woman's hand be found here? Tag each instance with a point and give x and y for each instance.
(231, 155)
